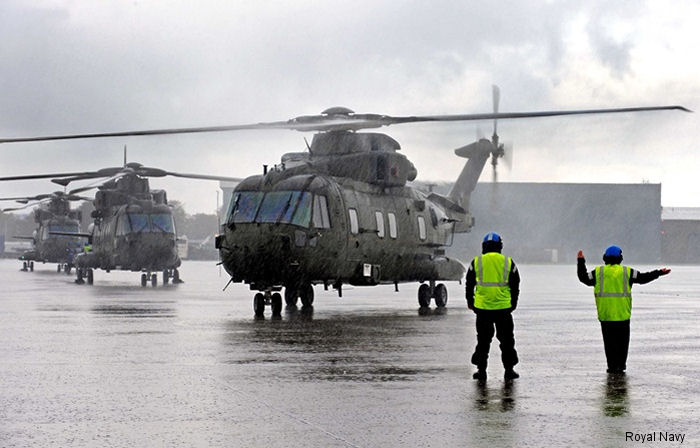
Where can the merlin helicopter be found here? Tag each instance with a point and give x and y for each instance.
(133, 227)
(52, 214)
(342, 212)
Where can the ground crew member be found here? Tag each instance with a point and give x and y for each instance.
(493, 287)
(613, 297)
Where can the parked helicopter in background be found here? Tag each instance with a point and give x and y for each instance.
(52, 214)
(133, 227)
(342, 212)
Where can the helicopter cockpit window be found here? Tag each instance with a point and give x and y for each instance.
(320, 216)
(245, 206)
(380, 223)
(162, 222)
(288, 207)
(138, 222)
(59, 228)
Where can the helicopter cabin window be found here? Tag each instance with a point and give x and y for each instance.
(354, 223)
(288, 207)
(244, 206)
(421, 228)
(59, 228)
(162, 222)
(320, 216)
(393, 231)
(380, 224)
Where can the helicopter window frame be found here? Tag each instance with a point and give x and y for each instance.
(393, 229)
(138, 216)
(379, 218)
(422, 234)
(321, 219)
(251, 204)
(354, 222)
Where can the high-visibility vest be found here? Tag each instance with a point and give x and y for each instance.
(492, 291)
(613, 292)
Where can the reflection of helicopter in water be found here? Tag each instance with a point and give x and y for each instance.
(133, 226)
(343, 213)
(52, 215)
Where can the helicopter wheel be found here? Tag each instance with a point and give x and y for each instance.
(259, 304)
(31, 266)
(154, 280)
(24, 266)
(424, 295)
(79, 276)
(166, 276)
(276, 304)
(90, 277)
(176, 277)
(291, 296)
(306, 293)
(144, 279)
(440, 295)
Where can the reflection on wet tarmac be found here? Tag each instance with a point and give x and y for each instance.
(145, 309)
(615, 402)
(491, 399)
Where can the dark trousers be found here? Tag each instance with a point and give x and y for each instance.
(502, 320)
(616, 338)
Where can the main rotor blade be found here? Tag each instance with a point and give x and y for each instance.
(204, 176)
(347, 122)
(42, 176)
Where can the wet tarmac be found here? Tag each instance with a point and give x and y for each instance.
(115, 364)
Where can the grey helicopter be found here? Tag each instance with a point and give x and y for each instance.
(133, 227)
(342, 212)
(52, 214)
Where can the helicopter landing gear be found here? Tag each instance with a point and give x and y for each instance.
(291, 296)
(306, 294)
(90, 277)
(166, 276)
(176, 277)
(154, 280)
(144, 279)
(432, 291)
(58, 268)
(30, 265)
(79, 276)
(25, 266)
(268, 298)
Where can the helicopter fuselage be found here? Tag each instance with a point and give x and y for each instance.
(311, 228)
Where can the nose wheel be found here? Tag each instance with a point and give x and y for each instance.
(274, 300)
(432, 291)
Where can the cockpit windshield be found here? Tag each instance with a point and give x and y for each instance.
(157, 222)
(286, 207)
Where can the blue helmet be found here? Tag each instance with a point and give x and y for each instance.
(613, 251)
(492, 236)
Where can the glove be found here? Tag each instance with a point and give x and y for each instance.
(664, 271)
(580, 254)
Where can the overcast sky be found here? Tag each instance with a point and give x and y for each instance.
(86, 66)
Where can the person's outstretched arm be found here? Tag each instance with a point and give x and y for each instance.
(585, 277)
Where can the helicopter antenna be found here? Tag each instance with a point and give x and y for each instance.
(125, 155)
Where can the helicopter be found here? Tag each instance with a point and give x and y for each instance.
(52, 215)
(133, 227)
(342, 212)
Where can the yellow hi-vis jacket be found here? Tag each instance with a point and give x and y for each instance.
(613, 292)
(492, 291)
